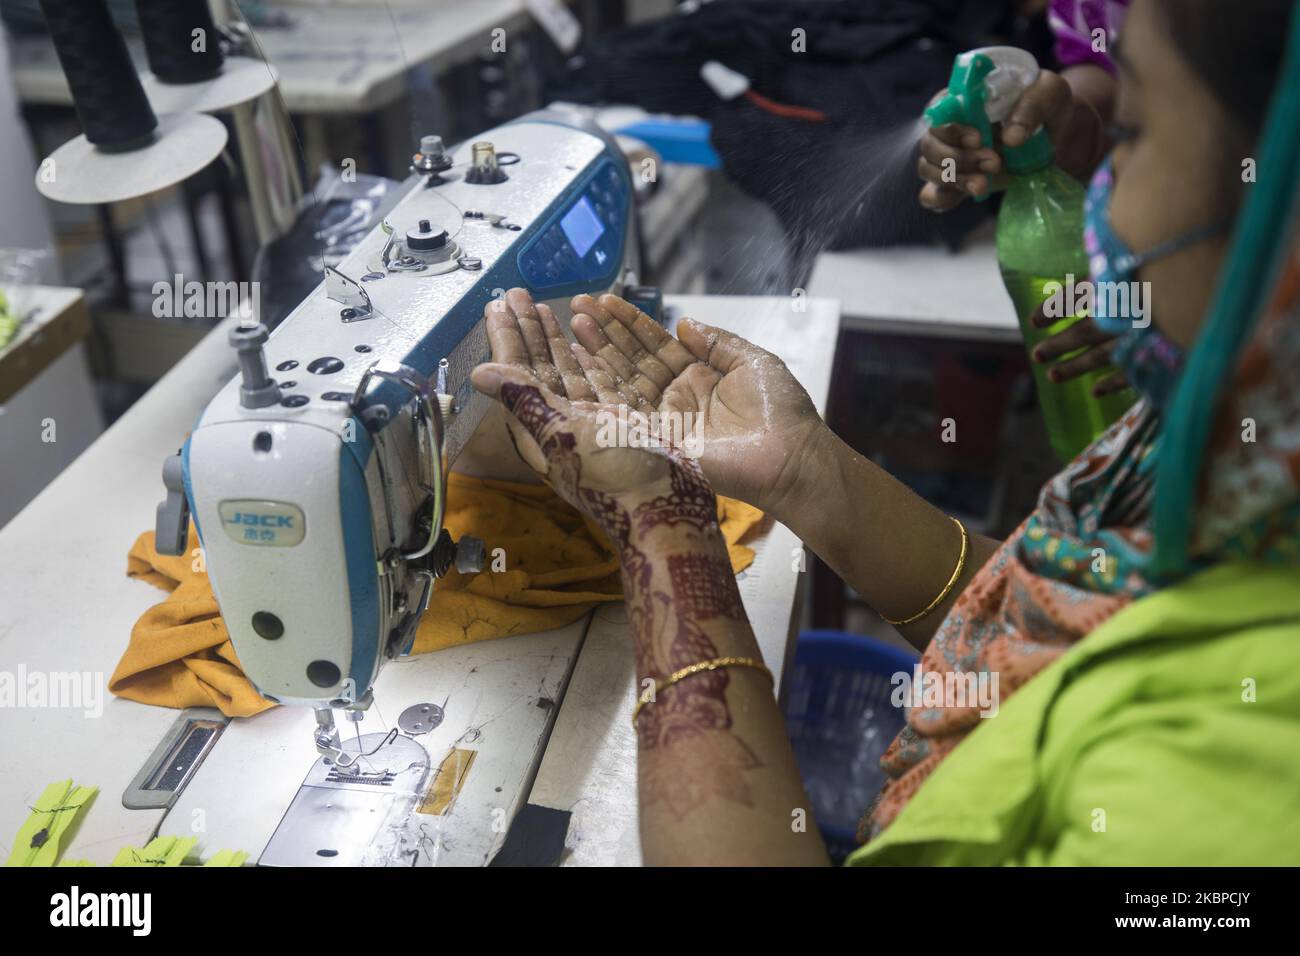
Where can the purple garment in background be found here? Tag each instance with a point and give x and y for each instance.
(1073, 23)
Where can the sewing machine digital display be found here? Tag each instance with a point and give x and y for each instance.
(581, 227)
(582, 241)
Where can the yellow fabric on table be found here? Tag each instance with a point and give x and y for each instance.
(551, 566)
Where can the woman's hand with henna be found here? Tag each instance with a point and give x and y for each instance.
(527, 337)
(563, 417)
(567, 443)
(714, 766)
(754, 418)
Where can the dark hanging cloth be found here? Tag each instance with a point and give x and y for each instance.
(870, 66)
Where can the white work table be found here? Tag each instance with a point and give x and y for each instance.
(546, 713)
(920, 290)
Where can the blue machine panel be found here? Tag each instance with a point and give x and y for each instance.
(581, 245)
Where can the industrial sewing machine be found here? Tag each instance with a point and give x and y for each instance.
(316, 478)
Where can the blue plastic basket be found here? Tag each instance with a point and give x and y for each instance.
(841, 720)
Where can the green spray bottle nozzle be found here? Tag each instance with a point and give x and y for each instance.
(982, 90)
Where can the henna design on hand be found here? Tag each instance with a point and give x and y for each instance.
(690, 502)
(705, 587)
(692, 716)
(527, 404)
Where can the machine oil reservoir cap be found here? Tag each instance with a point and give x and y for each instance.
(426, 237)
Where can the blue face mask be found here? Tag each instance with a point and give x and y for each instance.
(1150, 360)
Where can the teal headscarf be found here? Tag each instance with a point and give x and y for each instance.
(1151, 501)
(1258, 253)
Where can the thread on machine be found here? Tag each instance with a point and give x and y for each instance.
(180, 40)
(111, 105)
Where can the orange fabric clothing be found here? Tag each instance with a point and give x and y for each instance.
(546, 567)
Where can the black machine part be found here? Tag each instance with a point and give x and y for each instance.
(180, 40)
(114, 112)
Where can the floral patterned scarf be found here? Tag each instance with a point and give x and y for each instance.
(1081, 555)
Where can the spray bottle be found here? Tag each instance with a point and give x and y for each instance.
(1039, 232)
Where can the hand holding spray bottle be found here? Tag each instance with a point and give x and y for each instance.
(1039, 232)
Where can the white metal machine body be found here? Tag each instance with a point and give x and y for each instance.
(316, 478)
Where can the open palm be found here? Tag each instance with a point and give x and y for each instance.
(556, 419)
(737, 405)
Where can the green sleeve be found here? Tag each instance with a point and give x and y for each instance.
(1206, 778)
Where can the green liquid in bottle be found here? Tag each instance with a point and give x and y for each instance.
(1074, 417)
(1040, 241)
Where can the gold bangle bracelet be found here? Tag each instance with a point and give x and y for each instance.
(710, 665)
(947, 588)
